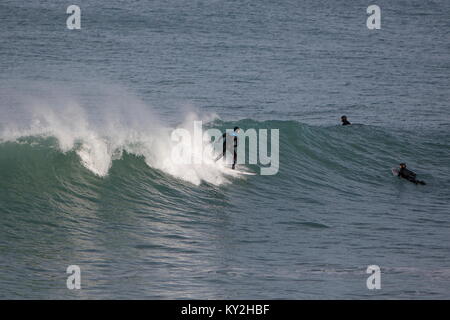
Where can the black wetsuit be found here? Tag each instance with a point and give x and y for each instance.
(409, 175)
(345, 122)
(225, 136)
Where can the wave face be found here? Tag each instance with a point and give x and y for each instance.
(61, 152)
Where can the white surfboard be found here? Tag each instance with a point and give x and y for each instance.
(395, 171)
(238, 172)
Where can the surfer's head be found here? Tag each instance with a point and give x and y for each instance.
(402, 165)
(237, 129)
(344, 118)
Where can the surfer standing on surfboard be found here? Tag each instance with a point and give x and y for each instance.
(230, 142)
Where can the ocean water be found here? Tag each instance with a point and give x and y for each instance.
(86, 176)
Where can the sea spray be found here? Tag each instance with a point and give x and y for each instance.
(101, 129)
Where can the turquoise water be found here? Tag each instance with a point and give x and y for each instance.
(85, 176)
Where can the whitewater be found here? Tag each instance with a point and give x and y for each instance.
(101, 132)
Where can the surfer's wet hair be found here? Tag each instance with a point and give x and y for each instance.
(236, 128)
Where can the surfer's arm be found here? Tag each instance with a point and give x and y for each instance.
(223, 137)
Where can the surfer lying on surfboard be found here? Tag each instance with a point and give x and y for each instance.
(407, 174)
(344, 120)
(230, 142)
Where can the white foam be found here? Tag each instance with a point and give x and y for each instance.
(100, 129)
